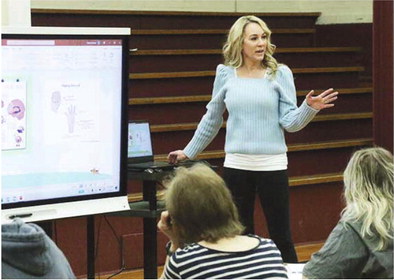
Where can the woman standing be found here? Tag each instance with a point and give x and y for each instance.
(260, 97)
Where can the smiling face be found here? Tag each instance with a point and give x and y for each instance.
(254, 43)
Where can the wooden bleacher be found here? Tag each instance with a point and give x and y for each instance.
(172, 66)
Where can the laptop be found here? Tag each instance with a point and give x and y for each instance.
(140, 151)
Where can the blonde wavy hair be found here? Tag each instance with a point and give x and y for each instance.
(368, 193)
(232, 49)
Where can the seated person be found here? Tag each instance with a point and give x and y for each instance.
(202, 224)
(27, 253)
(361, 245)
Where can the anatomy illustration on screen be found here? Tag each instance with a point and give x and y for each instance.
(60, 120)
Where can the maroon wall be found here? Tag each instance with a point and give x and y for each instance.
(383, 73)
(356, 34)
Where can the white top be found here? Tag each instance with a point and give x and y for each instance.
(252, 162)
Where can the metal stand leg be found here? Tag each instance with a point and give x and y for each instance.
(150, 232)
(90, 246)
(150, 249)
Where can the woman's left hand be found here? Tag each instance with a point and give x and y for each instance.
(323, 100)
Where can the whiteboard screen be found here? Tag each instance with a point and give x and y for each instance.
(63, 120)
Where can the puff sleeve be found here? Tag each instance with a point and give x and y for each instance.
(291, 117)
(211, 122)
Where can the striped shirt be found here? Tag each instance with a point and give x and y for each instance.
(197, 262)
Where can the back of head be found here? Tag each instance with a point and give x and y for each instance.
(368, 180)
(27, 252)
(201, 206)
(232, 49)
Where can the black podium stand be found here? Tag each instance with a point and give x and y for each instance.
(149, 209)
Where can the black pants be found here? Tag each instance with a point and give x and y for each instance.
(273, 190)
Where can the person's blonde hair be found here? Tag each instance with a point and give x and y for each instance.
(201, 206)
(368, 180)
(232, 49)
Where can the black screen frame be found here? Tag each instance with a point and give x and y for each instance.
(124, 117)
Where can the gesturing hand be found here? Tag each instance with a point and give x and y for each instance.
(323, 100)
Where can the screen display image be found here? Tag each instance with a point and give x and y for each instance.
(62, 118)
(139, 142)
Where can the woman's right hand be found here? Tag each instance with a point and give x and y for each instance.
(165, 225)
(175, 156)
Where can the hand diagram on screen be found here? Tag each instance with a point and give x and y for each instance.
(70, 114)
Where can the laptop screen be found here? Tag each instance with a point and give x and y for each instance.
(139, 140)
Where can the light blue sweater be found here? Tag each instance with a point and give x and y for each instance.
(259, 109)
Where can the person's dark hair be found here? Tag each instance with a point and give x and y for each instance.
(200, 205)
